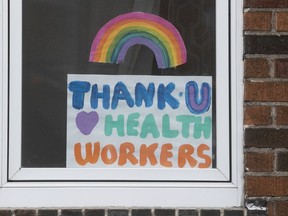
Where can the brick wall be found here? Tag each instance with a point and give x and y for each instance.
(266, 105)
(123, 212)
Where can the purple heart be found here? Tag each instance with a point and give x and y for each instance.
(86, 121)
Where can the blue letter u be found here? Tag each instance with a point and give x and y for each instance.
(194, 103)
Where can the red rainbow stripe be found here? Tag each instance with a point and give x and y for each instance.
(115, 38)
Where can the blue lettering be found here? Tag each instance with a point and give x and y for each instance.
(79, 88)
(194, 103)
(164, 96)
(141, 93)
(121, 93)
(105, 95)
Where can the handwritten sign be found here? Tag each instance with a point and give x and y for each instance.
(139, 121)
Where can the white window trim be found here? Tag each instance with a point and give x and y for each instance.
(221, 173)
(140, 194)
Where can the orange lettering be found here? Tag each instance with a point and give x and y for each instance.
(147, 152)
(113, 154)
(126, 153)
(165, 154)
(207, 158)
(90, 158)
(185, 154)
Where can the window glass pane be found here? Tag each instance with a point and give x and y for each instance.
(57, 38)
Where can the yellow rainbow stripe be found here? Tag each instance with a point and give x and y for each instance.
(118, 35)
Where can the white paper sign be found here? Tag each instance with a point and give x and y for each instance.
(139, 121)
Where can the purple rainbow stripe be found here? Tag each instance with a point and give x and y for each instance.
(131, 25)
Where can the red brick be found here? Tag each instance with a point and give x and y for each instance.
(281, 68)
(282, 115)
(265, 44)
(282, 161)
(164, 212)
(207, 212)
(94, 212)
(48, 212)
(116, 212)
(259, 162)
(71, 212)
(257, 115)
(256, 67)
(281, 208)
(266, 91)
(282, 21)
(257, 21)
(25, 212)
(266, 3)
(142, 212)
(5, 212)
(266, 186)
(266, 138)
(270, 208)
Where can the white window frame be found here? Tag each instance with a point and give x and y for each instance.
(201, 189)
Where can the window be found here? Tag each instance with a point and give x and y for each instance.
(107, 98)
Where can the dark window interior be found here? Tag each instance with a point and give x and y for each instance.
(57, 36)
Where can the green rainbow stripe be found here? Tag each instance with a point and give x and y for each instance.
(122, 39)
(115, 38)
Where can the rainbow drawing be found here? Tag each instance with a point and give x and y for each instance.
(124, 31)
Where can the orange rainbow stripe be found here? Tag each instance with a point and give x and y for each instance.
(115, 38)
